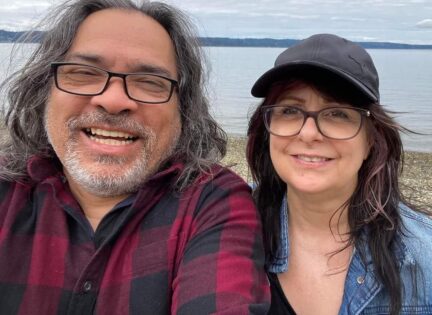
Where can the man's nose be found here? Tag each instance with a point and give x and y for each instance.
(114, 99)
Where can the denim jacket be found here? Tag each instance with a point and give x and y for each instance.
(363, 294)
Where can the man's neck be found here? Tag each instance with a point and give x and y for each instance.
(94, 207)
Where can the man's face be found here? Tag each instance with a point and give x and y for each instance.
(108, 143)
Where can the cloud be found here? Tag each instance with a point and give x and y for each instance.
(427, 23)
(283, 15)
(300, 17)
(348, 19)
(361, 20)
(369, 39)
(21, 15)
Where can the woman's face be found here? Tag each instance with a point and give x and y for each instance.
(310, 163)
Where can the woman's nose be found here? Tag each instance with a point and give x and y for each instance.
(310, 131)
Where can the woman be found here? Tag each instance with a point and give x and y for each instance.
(325, 156)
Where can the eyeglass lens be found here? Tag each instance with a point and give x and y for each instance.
(335, 122)
(87, 80)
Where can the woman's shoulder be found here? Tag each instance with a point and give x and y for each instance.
(416, 234)
(416, 222)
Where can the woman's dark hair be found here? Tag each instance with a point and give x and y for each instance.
(373, 205)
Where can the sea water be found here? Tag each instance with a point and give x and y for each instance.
(405, 85)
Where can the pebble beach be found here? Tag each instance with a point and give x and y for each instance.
(416, 180)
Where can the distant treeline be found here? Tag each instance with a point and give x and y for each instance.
(12, 37)
(270, 42)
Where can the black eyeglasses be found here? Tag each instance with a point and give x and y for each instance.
(340, 123)
(85, 80)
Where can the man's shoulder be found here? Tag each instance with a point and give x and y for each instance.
(7, 185)
(218, 188)
(221, 175)
(14, 195)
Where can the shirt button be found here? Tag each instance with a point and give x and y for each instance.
(87, 286)
(360, 279)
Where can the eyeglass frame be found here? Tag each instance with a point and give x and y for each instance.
(314, 115)
(56, 65)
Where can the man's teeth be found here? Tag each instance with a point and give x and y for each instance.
(110, 137)
(311, 158)
(111, 141)
(109, 133)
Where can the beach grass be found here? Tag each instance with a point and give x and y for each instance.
(415, 182)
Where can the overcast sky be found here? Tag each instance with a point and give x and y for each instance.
(407, 21)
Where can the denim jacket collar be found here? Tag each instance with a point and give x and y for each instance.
(363, 292)
(279, 262)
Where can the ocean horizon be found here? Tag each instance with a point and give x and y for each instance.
(216, 41)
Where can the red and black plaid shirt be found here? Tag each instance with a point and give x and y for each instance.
(159, 252)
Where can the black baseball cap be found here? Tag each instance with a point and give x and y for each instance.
(327, 52)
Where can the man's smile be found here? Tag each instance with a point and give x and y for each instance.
(110, 137)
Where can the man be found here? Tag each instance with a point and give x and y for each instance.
(112, 201)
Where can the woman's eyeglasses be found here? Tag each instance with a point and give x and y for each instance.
(340, 123)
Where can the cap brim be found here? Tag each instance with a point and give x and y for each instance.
(285, 71)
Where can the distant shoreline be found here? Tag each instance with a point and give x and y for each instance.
(283, 43)
(13, 37)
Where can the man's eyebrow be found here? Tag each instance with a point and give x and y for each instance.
(95, 59)
(153, 69)
(135, 67)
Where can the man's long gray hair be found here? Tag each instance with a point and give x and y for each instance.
(202, 142)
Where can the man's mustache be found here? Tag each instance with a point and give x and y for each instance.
(119, 121)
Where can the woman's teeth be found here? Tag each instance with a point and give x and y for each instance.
(312, 158)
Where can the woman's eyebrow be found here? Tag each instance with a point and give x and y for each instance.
(291, 98)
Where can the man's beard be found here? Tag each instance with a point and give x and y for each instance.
(98, 177)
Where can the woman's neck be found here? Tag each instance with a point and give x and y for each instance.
(319, 231)
(319, 216)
